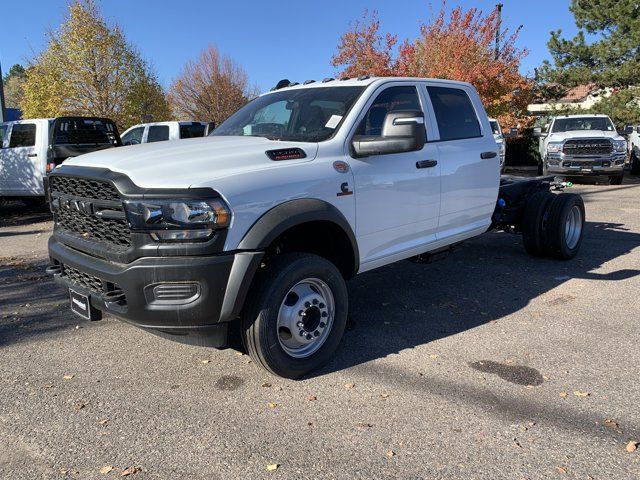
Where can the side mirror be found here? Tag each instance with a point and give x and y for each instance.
(537, 132)
(628, 130)
(513, 132)
(402, 131)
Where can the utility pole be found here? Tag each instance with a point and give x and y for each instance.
(498, 27)
(2, 107)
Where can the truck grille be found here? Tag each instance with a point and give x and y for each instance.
(579, 147)
(90, 283)
(90, 209)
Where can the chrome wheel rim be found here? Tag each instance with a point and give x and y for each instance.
(573, 227)
(305, 317)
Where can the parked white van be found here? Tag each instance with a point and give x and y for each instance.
(163, 131)
(31, 148)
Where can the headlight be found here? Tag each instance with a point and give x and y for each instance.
(620, 145)
(554, 147)
(177, 219)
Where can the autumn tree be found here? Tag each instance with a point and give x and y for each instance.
(88, 68)
(458, 46)
(13, 83)
(210, 88)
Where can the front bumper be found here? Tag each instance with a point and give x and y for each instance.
(219, 284)
(559, 163)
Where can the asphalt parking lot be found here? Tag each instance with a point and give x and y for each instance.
(486, 364)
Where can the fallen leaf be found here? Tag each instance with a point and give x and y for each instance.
(632, 446)
(384, 396)
(240, 354)
(129, 471)
(516, 444)
(80, 405)
(364, 425)
(561, 470)
(104, 421)
(68, 377)
(578, 393)
(391, 453)
(49, 385)
(312, 398)
(433, 356)
(266, 385)
(272, 467)
(272, 405)
(106, 469)
(349, 386)
(564, 394)
(205, 361)
(611, 423)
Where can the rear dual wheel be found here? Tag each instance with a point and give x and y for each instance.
(553, 225)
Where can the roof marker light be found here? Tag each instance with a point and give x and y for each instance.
(328, 79)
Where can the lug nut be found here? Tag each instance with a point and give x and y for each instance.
(301, 333)
(324, 314)
(307, 304)
(309, 337)
(322, 305)
(315, 301)
(299, 324)
(301, 313)
(322, 324)
(316, 333)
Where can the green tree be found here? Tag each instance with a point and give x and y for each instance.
(88, 68)
(13, 83)
(605, 51)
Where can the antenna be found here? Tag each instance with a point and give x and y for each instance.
(498, 26)
(2, 106)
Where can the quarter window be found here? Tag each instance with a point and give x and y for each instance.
(455, 114)
(194, 130)
(3, 132)
(23, 135)
(158, 133)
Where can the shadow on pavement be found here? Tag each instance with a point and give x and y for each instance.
(405, 304)
(15, 214)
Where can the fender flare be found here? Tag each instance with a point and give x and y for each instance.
(295, 212)
(263, 232)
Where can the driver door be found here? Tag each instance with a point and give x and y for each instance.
(397, 195)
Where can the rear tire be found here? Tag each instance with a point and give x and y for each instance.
(565, 226)
(274, 331)
(34, 201)
(616, 180)
(533, 221)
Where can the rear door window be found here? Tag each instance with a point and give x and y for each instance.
(23, 135)
(455, 114)
(192, 131)
(133, 137)
(158, 133)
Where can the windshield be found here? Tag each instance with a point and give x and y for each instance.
(301, 115)
(582, 123)
(495, 128)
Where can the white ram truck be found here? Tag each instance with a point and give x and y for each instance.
(582, 145)
(263, 221)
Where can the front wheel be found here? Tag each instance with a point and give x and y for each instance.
(296, 316)
(565, 226)
(635, 164)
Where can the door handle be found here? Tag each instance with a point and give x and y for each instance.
(488, 155)
(32, 155)
(426, 163)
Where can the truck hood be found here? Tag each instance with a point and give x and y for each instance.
(560, 136)
(181, 163)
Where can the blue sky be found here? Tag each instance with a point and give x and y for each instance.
(270, 39)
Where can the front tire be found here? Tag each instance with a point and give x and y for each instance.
(635, 164)
(295, 317)
(533, 219)
(615, 180)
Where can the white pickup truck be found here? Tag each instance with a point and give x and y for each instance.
(582, 145)
(164, 131)
(263, 221)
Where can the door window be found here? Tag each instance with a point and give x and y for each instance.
(133, 137)
(23, 135)
(158, 133)
(391, 99)
(3, 132)
(455, 114)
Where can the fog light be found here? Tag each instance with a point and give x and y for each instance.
(172, 293)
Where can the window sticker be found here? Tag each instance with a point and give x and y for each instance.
(333, 121)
